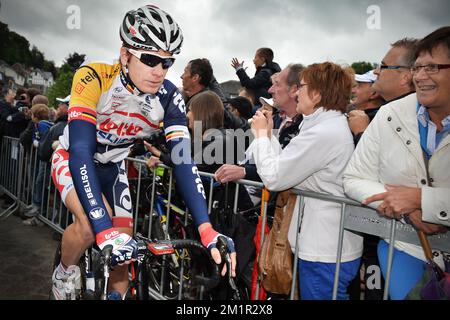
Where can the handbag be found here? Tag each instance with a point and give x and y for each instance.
(275, 260)
(435, 282)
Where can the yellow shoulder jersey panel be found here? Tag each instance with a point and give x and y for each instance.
(89, 82)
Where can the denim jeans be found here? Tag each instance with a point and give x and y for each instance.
(406, 271)
(316, 279)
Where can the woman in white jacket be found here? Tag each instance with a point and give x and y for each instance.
(314, 160)
(388, 170)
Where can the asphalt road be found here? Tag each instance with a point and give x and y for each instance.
(26, 259)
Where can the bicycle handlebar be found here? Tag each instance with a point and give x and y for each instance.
(210, 281)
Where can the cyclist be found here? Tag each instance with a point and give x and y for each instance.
(111, 106)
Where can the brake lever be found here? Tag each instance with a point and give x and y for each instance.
(226, 259)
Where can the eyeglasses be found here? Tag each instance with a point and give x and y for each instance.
(429, 68)
(384, 66)
(153, 59)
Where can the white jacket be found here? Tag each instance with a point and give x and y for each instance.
(389, 152)
(314, 160)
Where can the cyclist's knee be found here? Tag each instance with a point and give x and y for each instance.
(85, 232)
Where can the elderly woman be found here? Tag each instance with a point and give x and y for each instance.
(389, 171)
(314, 160)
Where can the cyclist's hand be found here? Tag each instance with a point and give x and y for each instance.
(209, 239)
(124, 247)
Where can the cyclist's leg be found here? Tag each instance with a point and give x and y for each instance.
(78, 236)
(117, 193)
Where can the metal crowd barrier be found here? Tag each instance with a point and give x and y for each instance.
(18, 176)
(11, 172)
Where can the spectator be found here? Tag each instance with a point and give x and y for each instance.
(39, 117)
(39, 99)
(241, 108)
(283, 91)
(16, 117)
(267, 104)
(50, 140)
(5, 109)
(388, 169)
(265, 68)
(365, 104)
(206, 123)
(247, 93)
(323, 96)
(364, 108)
(197, 77)
(26, 137)
(394, 77)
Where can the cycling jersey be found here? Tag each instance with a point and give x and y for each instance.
(106, 116)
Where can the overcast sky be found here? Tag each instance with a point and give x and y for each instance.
(302, 31)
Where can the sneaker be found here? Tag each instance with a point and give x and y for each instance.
(66, 284)
(35, 222)
(32, 212)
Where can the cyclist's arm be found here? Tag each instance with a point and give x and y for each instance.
(184, 168)
(82, 140)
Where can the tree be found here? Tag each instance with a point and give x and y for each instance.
(37, 58)
(74, 60)
(61, 87)
(362, 67)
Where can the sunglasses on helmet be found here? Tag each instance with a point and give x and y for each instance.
(152, 59)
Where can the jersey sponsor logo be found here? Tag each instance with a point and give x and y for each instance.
(179, 102)
(75, 115)
(121, 129)
(97, 213)
(90, 76)
(85, 182)
(110, 235)
(118, 96)
(113, 138)
(79, 88)
(118, 89)
(198, 182)
(105, 75)
(162, 90)
(82, 113)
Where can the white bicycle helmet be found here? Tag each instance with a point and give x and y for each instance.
(151, 28)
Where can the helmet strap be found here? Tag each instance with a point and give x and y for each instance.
(128, 83)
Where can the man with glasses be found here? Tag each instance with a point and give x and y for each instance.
(111, 106)
(401, 165)
(394, 77)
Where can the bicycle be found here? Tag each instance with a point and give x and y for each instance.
(188, 276)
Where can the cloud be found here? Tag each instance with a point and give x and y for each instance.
(297, 30)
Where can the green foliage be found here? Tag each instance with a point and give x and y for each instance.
(13, 47)
(362, 67)
(61, 88)
(74, 61)
(16, 48)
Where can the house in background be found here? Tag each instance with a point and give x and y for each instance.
(41, 80)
